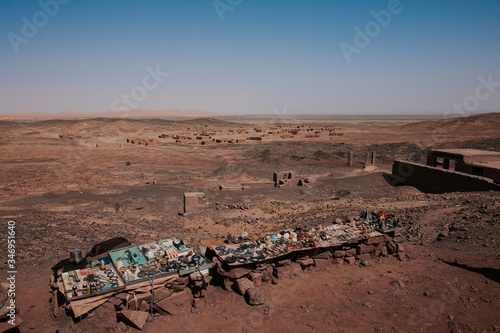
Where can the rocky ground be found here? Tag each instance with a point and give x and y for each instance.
(64, 194)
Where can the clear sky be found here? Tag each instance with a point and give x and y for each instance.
(250, 56)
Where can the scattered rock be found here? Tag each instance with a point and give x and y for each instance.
(375, 240)
(365, 256)
(322, 264)
(136, 319)
(306, 263)
(200, 303)
(243, 284)
(180, 284)
(398, 284)
(338, 261)
(442, 235)
(178, 303)
(324, 255)
(350, 260)
(256, 279)
(369, 304)
(391, 247)
(122, 327)
(365, 263)
(285, 262)
(254, 296)
(227, 283)
(103, 317)
(115, 301)
(291, 270)
(351, 252)
(268, 310)
(236, 273)
(267, 274)
(339, 254)
(400, 256)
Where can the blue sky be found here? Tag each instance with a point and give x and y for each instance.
(262, 55)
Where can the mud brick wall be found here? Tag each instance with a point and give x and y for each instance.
(429, 179)
(487, 171)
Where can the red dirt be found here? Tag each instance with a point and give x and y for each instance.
(67, 193)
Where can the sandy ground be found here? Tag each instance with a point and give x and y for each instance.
(66, 184)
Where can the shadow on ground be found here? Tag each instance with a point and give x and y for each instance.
(490, 273)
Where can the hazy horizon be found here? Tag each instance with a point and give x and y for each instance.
(251, 57)
(121, 114)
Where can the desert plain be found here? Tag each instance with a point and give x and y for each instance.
(67, 184)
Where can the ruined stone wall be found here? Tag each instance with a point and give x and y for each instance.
(429, 179)
(487, 172)
(493, 174)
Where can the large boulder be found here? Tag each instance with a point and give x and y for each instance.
(136, 319)
(102, 319)
(177, 304)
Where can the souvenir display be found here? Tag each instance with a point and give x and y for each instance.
(241, 253)
(99, 279)
(162, 258)
(241, 250)
(380, 221)
(172, 256)
(127, 261)
(75, 257)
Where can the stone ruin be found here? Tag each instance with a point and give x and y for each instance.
(288, 178)
(370, 158)
(143, 142)
(237, 136)
(450, 170)
(194, 201)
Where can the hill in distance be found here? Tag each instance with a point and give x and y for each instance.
(483, 121)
